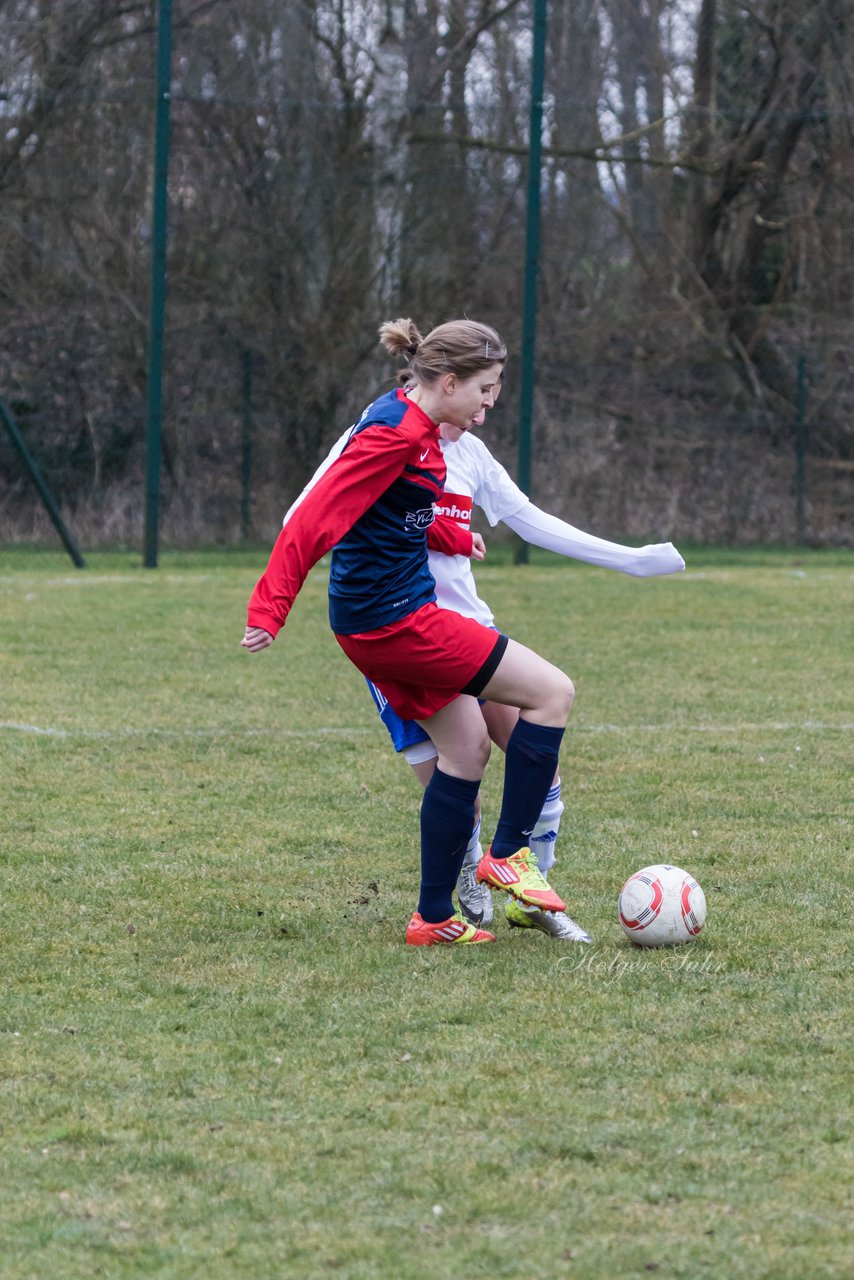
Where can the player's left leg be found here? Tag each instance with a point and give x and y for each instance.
(532, 756)
(544, 696)
(501, 721)
(510, 730)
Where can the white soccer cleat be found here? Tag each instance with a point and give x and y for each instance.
(557, 924)
(475, 899)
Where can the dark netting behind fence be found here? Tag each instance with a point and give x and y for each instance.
(336, 165)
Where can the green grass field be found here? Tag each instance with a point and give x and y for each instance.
(219, 1059)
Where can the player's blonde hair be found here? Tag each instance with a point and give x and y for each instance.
(462, 347)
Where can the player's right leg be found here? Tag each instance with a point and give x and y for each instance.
(447, 820)
(430, 666)
(420, 753)
(460, 737)
(474, 898)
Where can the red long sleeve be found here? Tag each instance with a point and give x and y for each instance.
(449, 537)
(371, 462)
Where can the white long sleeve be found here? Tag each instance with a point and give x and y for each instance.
(542, 530)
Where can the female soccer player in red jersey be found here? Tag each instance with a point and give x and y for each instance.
(374, 505)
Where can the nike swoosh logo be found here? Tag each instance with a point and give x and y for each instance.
(424, 455)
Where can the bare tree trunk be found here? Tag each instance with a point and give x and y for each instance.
(740, 234)
(626, 23)
(574, 69)
(703, 131)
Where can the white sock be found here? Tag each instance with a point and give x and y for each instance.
(474, 851)
(544, 835)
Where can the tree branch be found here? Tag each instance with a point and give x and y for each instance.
(604, 153)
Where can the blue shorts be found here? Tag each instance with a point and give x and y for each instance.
(404, 733)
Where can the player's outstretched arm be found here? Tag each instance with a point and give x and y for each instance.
(543, 530)
(342, 493)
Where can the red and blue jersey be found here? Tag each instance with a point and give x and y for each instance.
(373, 503)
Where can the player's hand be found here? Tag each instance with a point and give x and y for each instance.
(255, 639)
(656, 560)
(478, 547)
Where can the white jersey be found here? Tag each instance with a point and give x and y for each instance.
(474, 477)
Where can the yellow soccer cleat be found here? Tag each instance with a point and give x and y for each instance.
(519, 876)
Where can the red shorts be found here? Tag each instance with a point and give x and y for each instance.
(423, 661)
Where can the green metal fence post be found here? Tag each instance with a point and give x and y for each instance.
(532, 256)
(246, 444)
(159, 232)
(38, 480)
(800, 453)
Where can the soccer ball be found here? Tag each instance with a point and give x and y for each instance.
(661, 906)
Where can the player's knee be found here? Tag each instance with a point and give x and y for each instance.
(569, 694)
(480, 749)
(560, 696)
(467, 759)
(483, 749)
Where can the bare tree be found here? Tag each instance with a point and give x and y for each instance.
(336, 161)
(761, 130)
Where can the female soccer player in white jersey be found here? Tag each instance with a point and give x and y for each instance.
(374, 504)
(475, 478)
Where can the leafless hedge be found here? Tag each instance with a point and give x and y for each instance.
(337, 162)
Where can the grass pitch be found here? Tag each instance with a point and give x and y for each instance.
(218, 1058)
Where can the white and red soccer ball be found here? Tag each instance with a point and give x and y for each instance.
(661, 906)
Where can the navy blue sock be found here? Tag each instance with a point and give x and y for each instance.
(529, 769)
(447, 821)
